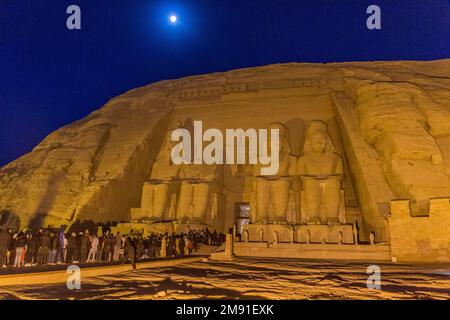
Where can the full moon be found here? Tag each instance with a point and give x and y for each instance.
(173, 18)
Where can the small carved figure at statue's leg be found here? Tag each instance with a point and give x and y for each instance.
(280, 197)
(333, 201)
(275, 237)
(312, 192)
(372, 238)
(323, 202)
(262, 201)
(308, 237)
(340, 237)
(355, 233)
(245, 236)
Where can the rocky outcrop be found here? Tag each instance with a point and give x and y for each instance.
(92, 169)
(393, 119)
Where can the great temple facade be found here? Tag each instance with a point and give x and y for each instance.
(364, 159)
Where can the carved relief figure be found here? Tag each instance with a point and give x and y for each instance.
(272, 193)
(406, 126)
(321, 173)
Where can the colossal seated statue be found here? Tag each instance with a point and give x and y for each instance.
(200, 185)
(272, 194)
(406, 126)
(321, 172)
(156, 192)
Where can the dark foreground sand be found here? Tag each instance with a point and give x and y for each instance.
(254, 279)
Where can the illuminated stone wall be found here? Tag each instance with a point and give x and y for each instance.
(420, 238)
(388, 121)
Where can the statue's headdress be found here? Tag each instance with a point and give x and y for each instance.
(317, 127)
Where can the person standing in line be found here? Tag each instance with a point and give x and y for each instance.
(146, 242)
(188, 244)
(93, 251)
(5, 242)
(50, 256)
(177, 246)
(62, 243)
(54, 246)
(214, 238)
(32, 249)
(117, 247)
(84, 247)
(12, 248)
(111, 247)
(182, 245)
(43, 250)
(107, 248)
(170, 245)
(123, 240)
(158, 245)
(139, 247)
(28, 253)
(37, 238)
(130, 252)
(100, 248)
(20, 244)
(153, 245)
(72, 254)
(195, 243)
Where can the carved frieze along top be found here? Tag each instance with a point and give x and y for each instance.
(198, 92)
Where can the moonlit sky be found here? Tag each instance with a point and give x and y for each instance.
(50, 76)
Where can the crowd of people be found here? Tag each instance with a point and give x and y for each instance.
(49, 247)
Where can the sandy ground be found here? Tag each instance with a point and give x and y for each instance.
(254, 279)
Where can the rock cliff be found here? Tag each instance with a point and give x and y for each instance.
(393, 118)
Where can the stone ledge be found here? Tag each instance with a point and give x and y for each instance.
(380, 252)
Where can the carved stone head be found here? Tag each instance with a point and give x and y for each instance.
(317, 139)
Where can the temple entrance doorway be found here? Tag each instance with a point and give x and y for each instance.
(242, 216)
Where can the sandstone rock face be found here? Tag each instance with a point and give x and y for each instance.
(92, 169)
(388, 121)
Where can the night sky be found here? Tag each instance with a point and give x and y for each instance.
(51, 76)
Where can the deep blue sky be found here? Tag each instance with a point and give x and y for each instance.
(50, 76)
